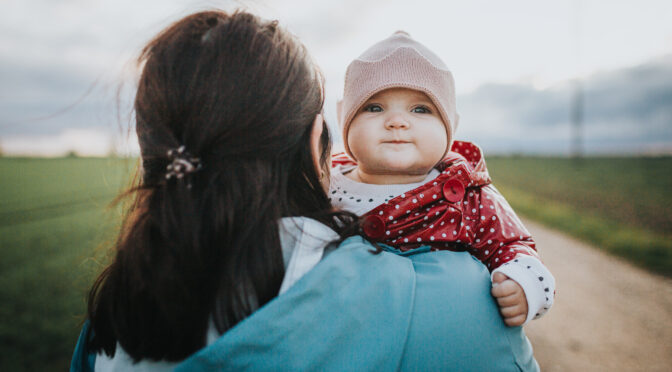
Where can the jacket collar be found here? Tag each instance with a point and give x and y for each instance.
(471, 156)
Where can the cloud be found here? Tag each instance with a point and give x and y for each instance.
(39, 99)
(61, 64)
(628, 110)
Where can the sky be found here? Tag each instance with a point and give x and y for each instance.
(67, 67)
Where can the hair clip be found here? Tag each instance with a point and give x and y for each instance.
(183, 164)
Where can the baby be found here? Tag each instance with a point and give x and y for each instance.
(415, 187)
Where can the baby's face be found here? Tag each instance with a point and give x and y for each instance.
(397, 131)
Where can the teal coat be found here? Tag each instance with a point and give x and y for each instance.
(356, 311)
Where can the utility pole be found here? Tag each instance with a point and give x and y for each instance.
(578, 100)
(577, 120)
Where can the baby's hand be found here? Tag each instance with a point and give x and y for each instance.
(510, 298)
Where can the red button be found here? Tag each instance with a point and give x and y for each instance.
(453, 190)
(373, 226)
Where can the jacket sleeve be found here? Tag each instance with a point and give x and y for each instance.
(351, 311)
(497, 235)
(504, 245)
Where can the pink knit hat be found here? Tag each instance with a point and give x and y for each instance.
(398, 62)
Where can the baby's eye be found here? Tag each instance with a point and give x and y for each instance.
(373, 108)
(421, 110)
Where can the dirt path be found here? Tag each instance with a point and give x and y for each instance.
(608, 314)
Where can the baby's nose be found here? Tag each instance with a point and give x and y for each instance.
(396, 122)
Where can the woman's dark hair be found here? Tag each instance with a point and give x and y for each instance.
(241, 95)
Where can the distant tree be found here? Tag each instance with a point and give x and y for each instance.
(71, 154)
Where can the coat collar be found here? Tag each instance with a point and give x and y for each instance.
(471, 155)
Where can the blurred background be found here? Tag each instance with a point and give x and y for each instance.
(571, 102)
(62, 64)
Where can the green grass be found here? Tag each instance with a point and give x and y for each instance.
(54, 226)
(618, 204)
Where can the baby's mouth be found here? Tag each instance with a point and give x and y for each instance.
(397, 142)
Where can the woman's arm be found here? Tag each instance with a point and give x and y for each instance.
(360, 311)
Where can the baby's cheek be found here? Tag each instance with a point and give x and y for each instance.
(434, 148)
(355, 144)
(360, 139)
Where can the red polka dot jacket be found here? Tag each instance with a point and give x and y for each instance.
(460, 210)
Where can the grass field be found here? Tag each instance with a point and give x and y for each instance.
(55, 226)
(618, 204)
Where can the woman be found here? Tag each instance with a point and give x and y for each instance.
(231, 211)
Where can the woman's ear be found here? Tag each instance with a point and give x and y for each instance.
(315, 136)
(316, 150)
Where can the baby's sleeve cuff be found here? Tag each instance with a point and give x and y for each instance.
(536, 280)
